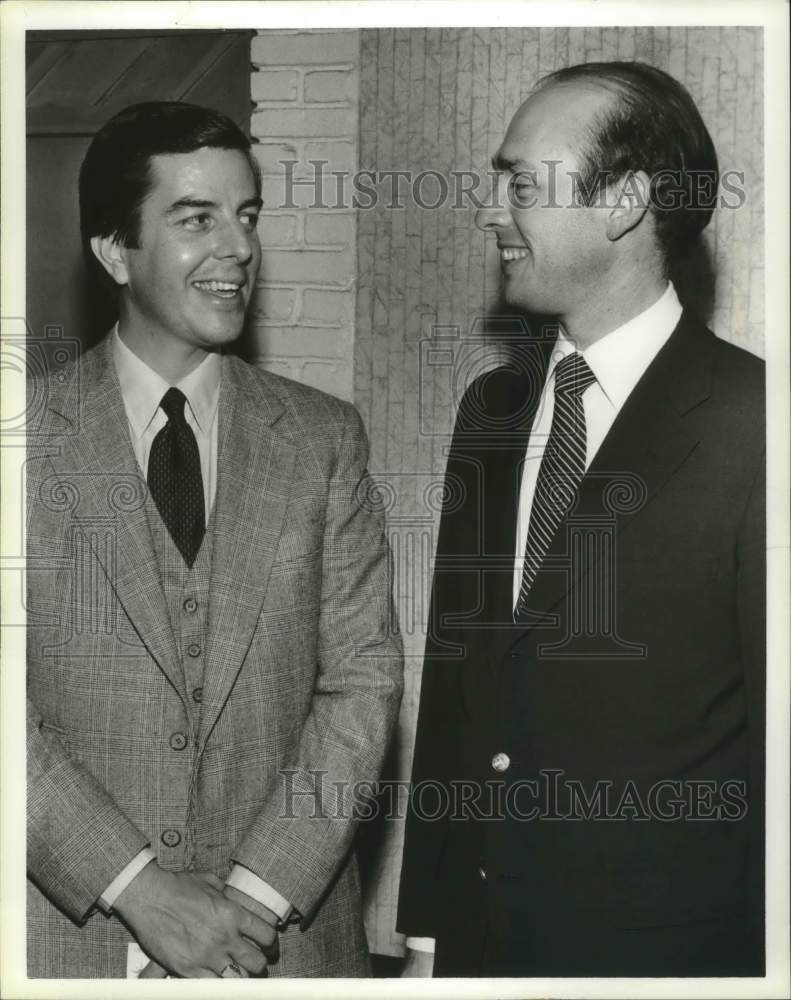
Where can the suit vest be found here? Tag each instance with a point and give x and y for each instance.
(187, 594)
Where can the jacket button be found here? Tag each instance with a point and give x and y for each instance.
(501, 762)
(178, 741)
(190, 605)
(171, 838)
(482, 874)
(197, 695)
(194, 649)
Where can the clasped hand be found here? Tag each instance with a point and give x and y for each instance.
(193, 926)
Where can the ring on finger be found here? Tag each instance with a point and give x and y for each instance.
(232, 970)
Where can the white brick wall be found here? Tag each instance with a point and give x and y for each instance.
(306, 88)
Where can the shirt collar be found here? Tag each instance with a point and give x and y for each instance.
(142, 388)
(619, 359)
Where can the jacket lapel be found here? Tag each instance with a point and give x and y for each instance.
(502, 454)
(496, 449)
(255, 467)
(97, 468)
(647, 443)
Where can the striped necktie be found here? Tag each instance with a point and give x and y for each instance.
(562, 467)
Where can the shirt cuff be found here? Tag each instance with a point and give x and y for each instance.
(421, 944)
(244, 880)
(120, 882)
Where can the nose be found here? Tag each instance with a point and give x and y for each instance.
(236, 241)
(494, 214)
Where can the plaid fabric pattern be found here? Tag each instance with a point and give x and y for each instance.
(302, 668)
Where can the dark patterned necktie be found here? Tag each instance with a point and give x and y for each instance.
(562, 467)
(174, 478)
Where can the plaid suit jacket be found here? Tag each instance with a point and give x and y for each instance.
(303, 673)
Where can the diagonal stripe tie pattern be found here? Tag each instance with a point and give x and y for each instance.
(562, 467)
(174, 478)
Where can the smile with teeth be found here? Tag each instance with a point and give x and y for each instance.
(513, 253)
(225, 289)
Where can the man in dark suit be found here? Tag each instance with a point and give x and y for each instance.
(590, 743)
(212, 659)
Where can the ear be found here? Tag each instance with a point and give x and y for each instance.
(632, 196)
(112, 256)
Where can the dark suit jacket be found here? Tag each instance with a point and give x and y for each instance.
(629, 834)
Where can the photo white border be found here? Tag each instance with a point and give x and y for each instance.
(15, 18)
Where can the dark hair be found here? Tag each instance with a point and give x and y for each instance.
(653, 125)
(115, 176)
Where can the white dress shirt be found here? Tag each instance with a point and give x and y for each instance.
(618, 360)
(142, 390)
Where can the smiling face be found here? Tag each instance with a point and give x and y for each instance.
(186, 287)
(554, 254)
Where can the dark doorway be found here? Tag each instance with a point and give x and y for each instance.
(75, 82)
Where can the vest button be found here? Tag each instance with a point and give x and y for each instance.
(190, 605)
(171, 838)
(197, 695)
(194, 649)
(501, 762)
(178, 741)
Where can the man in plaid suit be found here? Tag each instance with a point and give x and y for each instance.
(213, 664)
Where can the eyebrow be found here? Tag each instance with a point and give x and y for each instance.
(206, 203)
